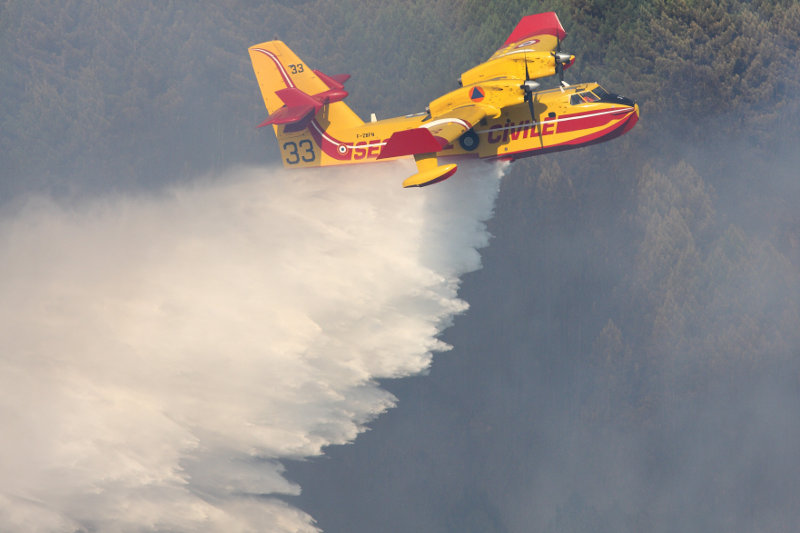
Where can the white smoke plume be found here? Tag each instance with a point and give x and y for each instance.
(159, 355)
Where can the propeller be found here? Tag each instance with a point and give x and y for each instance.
(541, 141)
(559, 64)
(528, 87)
(560, 58)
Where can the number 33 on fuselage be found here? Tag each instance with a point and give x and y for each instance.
(498, 112)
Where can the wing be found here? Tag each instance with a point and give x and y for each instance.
(534, 33)
(530, 52)
(434, 135)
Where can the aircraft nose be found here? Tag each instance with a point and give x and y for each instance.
(625, 101)
(636, 108)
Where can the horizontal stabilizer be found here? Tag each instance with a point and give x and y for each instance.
(341, 78)
(431, 176)
(331, 95)
(288, 115)
(409, 142)
(298, 106)
(293, 97)
(334, 82)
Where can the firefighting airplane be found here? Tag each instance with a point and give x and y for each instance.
(497, 113)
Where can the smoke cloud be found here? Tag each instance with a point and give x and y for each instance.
(159, 355)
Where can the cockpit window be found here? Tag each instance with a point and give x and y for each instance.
(584, 97)
(602, 93)
(598, 94)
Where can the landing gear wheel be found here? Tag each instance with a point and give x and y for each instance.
(469, 141)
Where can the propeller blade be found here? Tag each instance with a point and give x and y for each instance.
(528, 88)
(527, 75)
(558, 56)
(541, 141)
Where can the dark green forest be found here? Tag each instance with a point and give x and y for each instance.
(640, 299)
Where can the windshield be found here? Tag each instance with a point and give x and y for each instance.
(602, 93)
(584, 97)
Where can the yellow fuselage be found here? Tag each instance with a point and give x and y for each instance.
(563, 119)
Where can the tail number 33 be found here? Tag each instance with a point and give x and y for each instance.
(302, 151)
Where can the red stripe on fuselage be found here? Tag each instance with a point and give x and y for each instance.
(589, 119)
(607, 134)
(329, 145)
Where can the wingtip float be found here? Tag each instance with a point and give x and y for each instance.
(496, 113)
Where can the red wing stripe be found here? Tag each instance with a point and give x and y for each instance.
(542, 23)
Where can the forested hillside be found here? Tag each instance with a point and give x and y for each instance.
(90, 88)
(631, 360)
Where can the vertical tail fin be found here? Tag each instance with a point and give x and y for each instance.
(278, 68)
